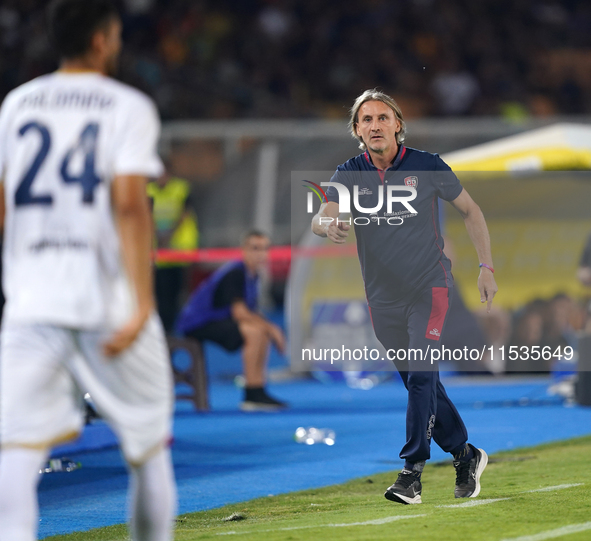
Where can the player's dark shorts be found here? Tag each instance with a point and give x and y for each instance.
(225, 333)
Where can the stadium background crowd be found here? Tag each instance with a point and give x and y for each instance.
(304, 58)
(232, 59)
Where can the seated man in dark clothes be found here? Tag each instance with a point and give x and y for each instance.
(223, 309)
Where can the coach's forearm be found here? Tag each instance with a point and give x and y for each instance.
(327, 214)
(478, 233)
(135, 231)
(319, 228)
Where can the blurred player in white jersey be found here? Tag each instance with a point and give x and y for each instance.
(76, 149)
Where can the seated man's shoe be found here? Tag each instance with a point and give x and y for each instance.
(257, 399)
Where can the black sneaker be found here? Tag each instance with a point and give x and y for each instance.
(468, 474)
(407, 489)
(261, 401)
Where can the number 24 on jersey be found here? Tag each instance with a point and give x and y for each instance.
(88, 178)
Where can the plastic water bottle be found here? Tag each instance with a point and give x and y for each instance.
(312, 435)
(60, 465)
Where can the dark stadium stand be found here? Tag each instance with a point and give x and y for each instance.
(249, 58)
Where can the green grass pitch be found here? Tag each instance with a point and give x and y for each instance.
(357, 510)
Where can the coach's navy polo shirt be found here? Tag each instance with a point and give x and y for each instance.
(399, 259)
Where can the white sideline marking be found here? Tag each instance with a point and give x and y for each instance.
(551, 534)
(473, 503)
(376, 521)
(557, 487)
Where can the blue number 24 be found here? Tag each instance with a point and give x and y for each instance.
(88, 178)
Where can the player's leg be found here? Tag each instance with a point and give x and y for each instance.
(255, 354)
(40, 406)
(451, 435)
(19, 477)
(390, 327)
(450, 432)
(416, 451)
(430, 314)
(134, 394)
(427, 322)
(421, 382)
(153, 498)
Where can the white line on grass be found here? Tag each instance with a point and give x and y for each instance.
(550, 489)
(473, 503)
(375, 522)
(552, 534)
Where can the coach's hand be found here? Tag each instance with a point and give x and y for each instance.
(126, 335)
(338, 233)
(487, 287)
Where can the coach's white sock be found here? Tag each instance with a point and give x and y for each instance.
(19, 476)
(153, 499)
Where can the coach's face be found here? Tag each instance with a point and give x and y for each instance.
(377, 126)
(256, 253)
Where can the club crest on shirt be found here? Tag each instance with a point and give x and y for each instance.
(365, 191)
(411, 181)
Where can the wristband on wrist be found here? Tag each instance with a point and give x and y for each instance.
(487, 266)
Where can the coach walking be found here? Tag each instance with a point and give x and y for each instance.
(408, 277)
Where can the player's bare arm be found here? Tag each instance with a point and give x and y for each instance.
(2, 206)
(329, 228)
(241, 313)
(478, 232)
(132, 214)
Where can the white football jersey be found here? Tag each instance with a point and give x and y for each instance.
(63, 138)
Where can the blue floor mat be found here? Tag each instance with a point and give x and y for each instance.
(255, 454)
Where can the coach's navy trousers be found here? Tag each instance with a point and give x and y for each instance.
(418, 325)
